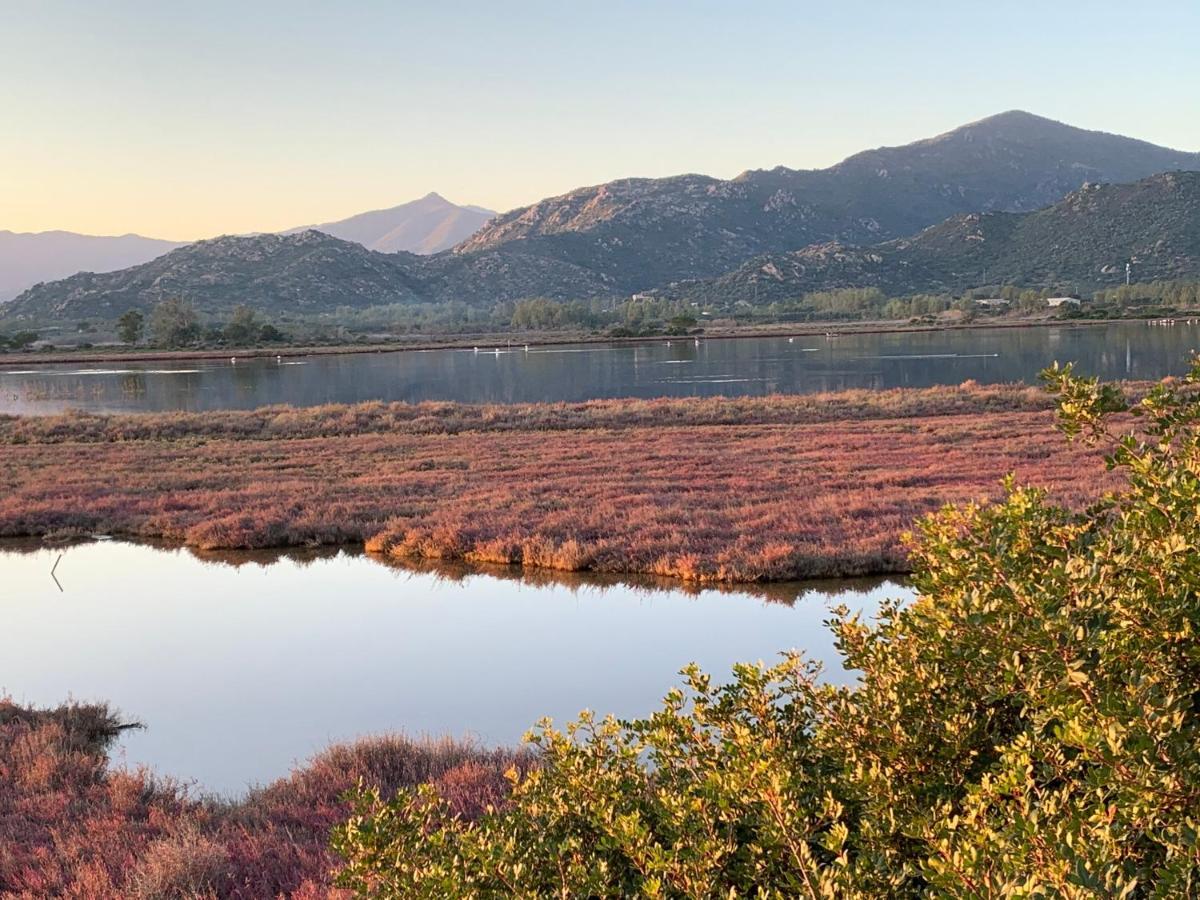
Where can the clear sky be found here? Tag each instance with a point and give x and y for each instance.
(187, 120)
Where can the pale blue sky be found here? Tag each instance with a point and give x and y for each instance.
(182, 121)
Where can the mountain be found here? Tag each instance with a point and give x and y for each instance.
(28, 258)
(1081, 242)
(645, 232)
(305, 274)
(809, 228)
(425, 226)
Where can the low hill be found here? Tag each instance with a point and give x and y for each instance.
(1082, 242)
(297, 274)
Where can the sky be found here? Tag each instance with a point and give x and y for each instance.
(184, 121)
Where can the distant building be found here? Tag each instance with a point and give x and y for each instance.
(992, 303)
(1055, 302)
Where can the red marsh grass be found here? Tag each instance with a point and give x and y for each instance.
(720, 489)
(71, 827)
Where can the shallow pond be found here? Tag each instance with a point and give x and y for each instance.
(680, 368)
(241, 666)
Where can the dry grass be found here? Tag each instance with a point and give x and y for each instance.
(69, 827)
(709, 490)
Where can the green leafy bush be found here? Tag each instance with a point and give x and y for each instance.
(1027, 727)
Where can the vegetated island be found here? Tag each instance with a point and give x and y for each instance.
(706, 490)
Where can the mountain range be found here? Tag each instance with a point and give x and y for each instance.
(953, 211)
(1083, 241)
(427, 225)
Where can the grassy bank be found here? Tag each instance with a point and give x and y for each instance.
(708, 490)
(71, 827)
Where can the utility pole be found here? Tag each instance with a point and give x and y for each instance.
(1128, 266)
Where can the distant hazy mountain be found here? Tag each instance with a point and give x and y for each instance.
(646, 232)
(425, 226)
(1083, 241)
(27, 258)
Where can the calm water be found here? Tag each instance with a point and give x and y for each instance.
(682, 369)
(239, 669)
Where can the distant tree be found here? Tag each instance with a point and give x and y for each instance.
(174, 323)
(131, 326)
(20, 340)
(269, 334)
(243, 326)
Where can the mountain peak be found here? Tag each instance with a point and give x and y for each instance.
(426, 225)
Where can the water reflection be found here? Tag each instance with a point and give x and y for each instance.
(752, 366)
(241, 664)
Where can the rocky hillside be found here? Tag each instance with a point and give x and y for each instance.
(645, 232)
(299, 274)
(425, 226)
(1081, 242)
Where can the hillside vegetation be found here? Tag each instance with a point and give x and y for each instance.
(1080, 243)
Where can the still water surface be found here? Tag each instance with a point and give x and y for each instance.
(243, 666)
(751, 366)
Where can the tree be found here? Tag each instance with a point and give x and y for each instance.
(243, 325)
(1029, 726)
(20, 340)
(174, 323)
(130, 326)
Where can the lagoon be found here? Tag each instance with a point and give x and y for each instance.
(679, 368)
(243, 664)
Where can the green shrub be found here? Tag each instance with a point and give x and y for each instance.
(1027, 727)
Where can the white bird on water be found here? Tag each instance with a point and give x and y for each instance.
(233, 360)
(791, 340)
(697, 342)
(476, 349)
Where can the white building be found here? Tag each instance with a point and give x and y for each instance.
(1055, 302)
(992, 303)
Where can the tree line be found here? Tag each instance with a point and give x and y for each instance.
(175, 323)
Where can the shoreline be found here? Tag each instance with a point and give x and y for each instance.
(544, 339)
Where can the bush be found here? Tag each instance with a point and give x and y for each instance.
(1028, 727)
